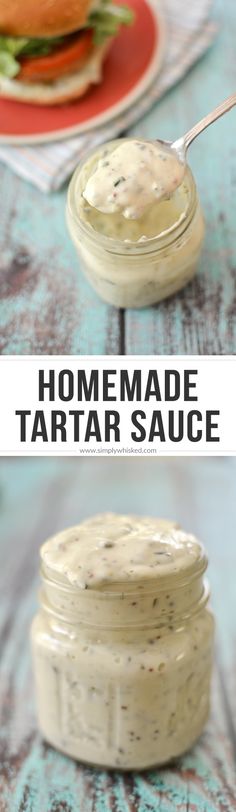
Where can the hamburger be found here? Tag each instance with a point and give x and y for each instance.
(51, 51)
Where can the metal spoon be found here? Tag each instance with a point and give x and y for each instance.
(181, 145)
(133, 207)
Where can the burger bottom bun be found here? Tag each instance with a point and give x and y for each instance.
(62, 90)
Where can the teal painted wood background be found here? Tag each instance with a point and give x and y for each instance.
(46, 306)
(39, 497)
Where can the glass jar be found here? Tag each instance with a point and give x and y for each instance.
(123, 674)
(125, 269)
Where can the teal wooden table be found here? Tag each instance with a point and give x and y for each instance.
(46, 306)
(39, 497)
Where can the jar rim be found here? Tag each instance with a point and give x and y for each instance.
(152, 244)
(158, 621)
(135, 587)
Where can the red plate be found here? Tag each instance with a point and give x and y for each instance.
(131, 65)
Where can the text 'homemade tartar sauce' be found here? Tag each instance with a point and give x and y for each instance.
(135, 218)
(122, 644)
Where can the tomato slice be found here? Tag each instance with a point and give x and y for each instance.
(59, 62)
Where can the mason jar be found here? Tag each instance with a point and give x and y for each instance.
(123, 669)
(136, 263)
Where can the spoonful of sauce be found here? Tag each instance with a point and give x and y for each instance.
(139, 173)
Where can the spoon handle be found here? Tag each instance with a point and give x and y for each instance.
(207, 120)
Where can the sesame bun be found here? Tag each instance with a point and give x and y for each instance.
(42, 18)
(61, 91)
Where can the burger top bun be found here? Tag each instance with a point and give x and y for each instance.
(45, 18)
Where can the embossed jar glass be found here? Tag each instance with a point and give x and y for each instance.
(142, 273)
(123, 677)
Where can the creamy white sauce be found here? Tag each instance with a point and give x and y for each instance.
(110, 549)
(135, 262)
(123, 643)
(133, 177)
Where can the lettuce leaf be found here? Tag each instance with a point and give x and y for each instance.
(8, 65)
(11, 47)
(105, 22)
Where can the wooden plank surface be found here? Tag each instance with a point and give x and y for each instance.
(46, 306)
(40, 496)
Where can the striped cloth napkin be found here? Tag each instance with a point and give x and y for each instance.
(190, 32)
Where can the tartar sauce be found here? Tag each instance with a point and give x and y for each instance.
(133, 177)
(123, 641)
(137, 245)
